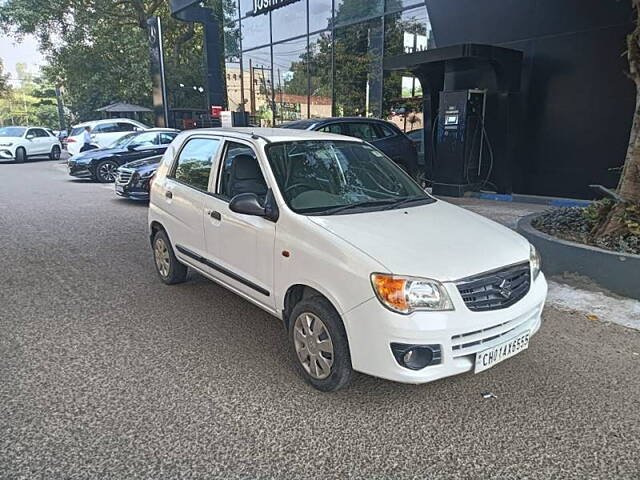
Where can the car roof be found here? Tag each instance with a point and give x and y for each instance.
(271, 134)
(106, 120)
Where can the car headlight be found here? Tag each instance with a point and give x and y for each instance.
(408, 294)
(148, 174)
(535, 261)
(6, 144)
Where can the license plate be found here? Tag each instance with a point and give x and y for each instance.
(488, 358)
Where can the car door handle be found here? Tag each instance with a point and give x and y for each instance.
(215, 215)
(168, 194)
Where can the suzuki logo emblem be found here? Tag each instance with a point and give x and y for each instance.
(505, 288)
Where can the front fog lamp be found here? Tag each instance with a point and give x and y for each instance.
(535, 261)
(408, 294)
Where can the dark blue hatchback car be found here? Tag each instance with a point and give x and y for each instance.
(385, 136)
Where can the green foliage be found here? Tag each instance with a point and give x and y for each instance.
(98, 50)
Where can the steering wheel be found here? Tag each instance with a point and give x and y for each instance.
(299, 185)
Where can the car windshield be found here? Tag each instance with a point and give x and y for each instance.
(124, 141)
(321, 177)
(12, 131)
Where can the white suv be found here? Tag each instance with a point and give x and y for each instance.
(366, 270)
(103, 132)
(20, 143)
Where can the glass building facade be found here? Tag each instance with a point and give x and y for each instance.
(321, 58)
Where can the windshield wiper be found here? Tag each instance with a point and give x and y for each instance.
(408, 200)
(366, 203)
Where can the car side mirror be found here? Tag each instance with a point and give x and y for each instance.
(132, 148)
(30, 137)
(247, 204)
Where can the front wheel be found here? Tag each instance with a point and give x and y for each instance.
(320, 346)
(171, 271)
(106, 171)
(21, 155)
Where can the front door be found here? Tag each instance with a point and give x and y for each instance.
(241, 246)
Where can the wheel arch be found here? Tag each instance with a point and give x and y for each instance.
(300, 291)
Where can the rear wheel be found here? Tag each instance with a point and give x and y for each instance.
(106, 171)
(319, 344)
(171, 271)
(21, 155)
(55, 153)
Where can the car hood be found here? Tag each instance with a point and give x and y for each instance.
(10, 139)
(438, 240)
(95, 154)
(145, 163)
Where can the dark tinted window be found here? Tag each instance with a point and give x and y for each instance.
(166, 138)
(105, 128)
(386, 131)
(365, 131)
(333, 128)
(240, 173)
(125, 127)
(40, 132)
(194, 162)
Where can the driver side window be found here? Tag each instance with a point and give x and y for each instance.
(240, 173)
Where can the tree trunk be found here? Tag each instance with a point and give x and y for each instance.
(629, 185)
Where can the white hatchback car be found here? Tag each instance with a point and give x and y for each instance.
(103, 132)
(366, 270)
(20, 143)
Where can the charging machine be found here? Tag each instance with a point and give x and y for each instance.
(472, 115)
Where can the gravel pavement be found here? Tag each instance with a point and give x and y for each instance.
(107, 373)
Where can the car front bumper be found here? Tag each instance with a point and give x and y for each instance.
(6, 154)
(371, 329)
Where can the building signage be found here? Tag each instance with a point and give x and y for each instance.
(264, 6)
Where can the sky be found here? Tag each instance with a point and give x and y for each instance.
(24, 52)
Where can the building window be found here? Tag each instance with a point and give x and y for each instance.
(358, 64)
(258, 93)
(320, 71)
(395, 5)
(255, 31)
(291, 80)
(349, 11)
(319, 15)
(289, 21)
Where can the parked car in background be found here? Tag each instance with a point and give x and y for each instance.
(103, 132)
(101, 164)
(366, 270)
(133, 179)
(383, 135)
(21, 143)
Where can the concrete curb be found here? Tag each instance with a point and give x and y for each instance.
(617, 272)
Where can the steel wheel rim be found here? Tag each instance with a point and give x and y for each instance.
(108, 171)
(313, 345)
(162, 257)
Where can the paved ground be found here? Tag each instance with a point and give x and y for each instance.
(107, 373)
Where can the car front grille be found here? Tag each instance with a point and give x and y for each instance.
(124, 176)
(497, 289)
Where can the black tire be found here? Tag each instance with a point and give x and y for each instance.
(106, 171)
(54, 154)
(341, 370)
(21, 155)
(175, 272)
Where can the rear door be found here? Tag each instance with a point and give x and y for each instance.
(183, 196)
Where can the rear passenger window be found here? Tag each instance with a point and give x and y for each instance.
(333, 128)
(124, 127)
(364, 131)
(193, 167)
(386, 131)
(105, 128)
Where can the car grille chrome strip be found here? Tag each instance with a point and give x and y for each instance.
(497, 289)
(124, 176)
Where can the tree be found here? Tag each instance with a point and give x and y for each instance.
(5, 87)
(99, 50)
(623, 216)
